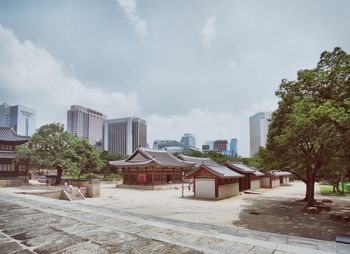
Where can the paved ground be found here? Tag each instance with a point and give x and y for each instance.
(31, 223)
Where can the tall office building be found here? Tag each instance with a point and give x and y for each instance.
(210, 144)
(220, 145)
(188, 139)
(124, 135)
(20, 118)
(233, 147)
(258, 127)
(86, 123)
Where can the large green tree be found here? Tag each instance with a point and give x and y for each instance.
(53, 148)
(309, 132)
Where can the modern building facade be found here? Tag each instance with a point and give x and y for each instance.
(124, 135)
(172, 146)
(188, 140)
(220, 145)
(233, 147)
(86, 123)
(20, 118)
(210, 144)
(258, 128)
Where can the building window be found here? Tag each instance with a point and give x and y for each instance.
(6, 147)
(7, 167)
(22, 167)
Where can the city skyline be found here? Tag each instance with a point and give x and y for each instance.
(137, 58)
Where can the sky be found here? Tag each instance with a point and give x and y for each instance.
(185, 66)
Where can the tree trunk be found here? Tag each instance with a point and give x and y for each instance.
(59, 175)
(310, 192)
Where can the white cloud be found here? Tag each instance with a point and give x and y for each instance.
(31, 76)
(129, 7)
(208, 32)
(207, 124)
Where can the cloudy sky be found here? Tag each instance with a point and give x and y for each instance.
(198, 66)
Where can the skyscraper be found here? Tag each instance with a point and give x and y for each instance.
(20, 118)
(220, 145)
(124, 135)
(188, 139)
(86, 123)
(258, 127)
(233, 147)
(210, 143)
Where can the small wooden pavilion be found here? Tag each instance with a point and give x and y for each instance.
(152, 167)
(11, 173)
(275, 178)
(214, 182)
(252, 177)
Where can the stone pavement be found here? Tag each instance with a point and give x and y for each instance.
(34, 224)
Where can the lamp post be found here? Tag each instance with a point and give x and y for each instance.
(183, 174)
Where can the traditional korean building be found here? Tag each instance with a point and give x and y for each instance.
(10, 172)
(275, 178)
(252, 177)
(212, 180)
(152, 167)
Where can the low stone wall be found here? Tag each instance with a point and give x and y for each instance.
(92, 187)
(57, 194)
(12, 182)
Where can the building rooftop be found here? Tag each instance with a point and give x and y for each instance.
(9, 135)
(243, 168)
(199, 161)
(7, 154)
(143, 156)
(220, 171)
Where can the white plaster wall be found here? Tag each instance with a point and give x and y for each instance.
(265, 182)
(228, 190)
(255, 184)
(285, 179)
(205, 187)
(275, 183)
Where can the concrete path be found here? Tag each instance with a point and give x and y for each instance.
(42, 225)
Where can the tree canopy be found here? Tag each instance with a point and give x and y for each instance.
(309, 133)
(53, 148)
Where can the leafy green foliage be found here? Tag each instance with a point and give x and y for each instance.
(53, 148)
(309, 134)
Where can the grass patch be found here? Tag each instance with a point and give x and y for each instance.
(327, 190)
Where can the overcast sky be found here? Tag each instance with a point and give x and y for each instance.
(185, 66)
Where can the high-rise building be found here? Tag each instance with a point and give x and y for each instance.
(20, 118)
(124, 135)
(233, 147)
(258, 127)
(205, 148)
(210, 143)
(86, 123)
(188, 139)
(220, 145)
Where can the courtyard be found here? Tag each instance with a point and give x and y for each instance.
(136, 221)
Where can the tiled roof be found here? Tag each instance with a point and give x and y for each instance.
(279, 173)
(124, 163)
(242, 168)
(8, 134)
(199, 161)
(220, 171)
(239, 166)
(7, 154)
(161, 157)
